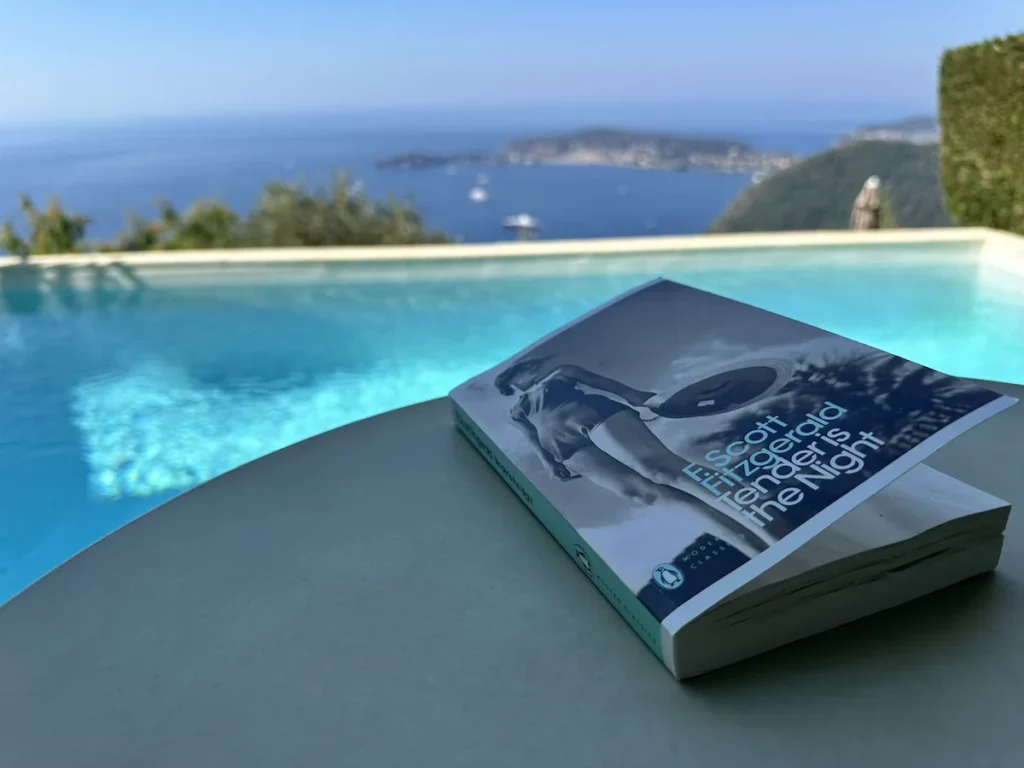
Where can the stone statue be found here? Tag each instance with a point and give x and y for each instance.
(867, 208)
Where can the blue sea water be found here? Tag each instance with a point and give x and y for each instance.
(105, 171)
(107, 412)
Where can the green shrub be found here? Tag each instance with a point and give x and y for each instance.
(292, 215)
(51, 231)
(981, 111)
(287, 215)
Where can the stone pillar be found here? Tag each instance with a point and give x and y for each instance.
(867, 208)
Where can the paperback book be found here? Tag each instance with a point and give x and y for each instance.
(732, 479)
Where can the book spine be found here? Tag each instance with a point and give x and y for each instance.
(604, 578)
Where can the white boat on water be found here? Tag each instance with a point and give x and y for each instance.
(478, 195)
(522, 222)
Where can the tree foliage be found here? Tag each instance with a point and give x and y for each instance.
(818, 193)
(342, 213)
(51, 231)
(287, 215)
(981, 110)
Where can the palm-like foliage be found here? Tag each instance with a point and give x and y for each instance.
(899, 401)
(51, 231)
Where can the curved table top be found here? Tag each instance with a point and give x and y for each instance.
(376, 596)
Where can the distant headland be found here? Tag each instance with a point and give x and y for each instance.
(922, 130)
(610, 147)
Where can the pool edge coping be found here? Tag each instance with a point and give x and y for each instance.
(1004, 251)
(989, 240)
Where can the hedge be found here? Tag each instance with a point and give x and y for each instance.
(981, 112)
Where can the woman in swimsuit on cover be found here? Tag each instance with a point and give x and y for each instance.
(604, 440)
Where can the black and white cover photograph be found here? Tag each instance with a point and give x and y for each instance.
(694, 441)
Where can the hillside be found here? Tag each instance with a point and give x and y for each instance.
(818, 193)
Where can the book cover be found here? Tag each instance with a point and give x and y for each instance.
(678, 443)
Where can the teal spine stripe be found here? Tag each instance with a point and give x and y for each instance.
(604, 578)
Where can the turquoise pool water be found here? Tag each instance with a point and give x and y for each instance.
(109, 408)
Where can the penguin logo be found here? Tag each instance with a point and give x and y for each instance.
(667, 576)
(583, 560)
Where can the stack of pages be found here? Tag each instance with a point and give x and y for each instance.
(733, 480)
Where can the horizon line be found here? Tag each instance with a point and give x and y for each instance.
(491, 113)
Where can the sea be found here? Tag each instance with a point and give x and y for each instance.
(105, 171)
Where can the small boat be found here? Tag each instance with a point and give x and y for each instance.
(478, 195)
(524, 225)
(520, 221)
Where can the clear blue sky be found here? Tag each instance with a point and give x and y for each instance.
(113, 59)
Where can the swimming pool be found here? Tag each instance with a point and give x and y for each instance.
(112, 405)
